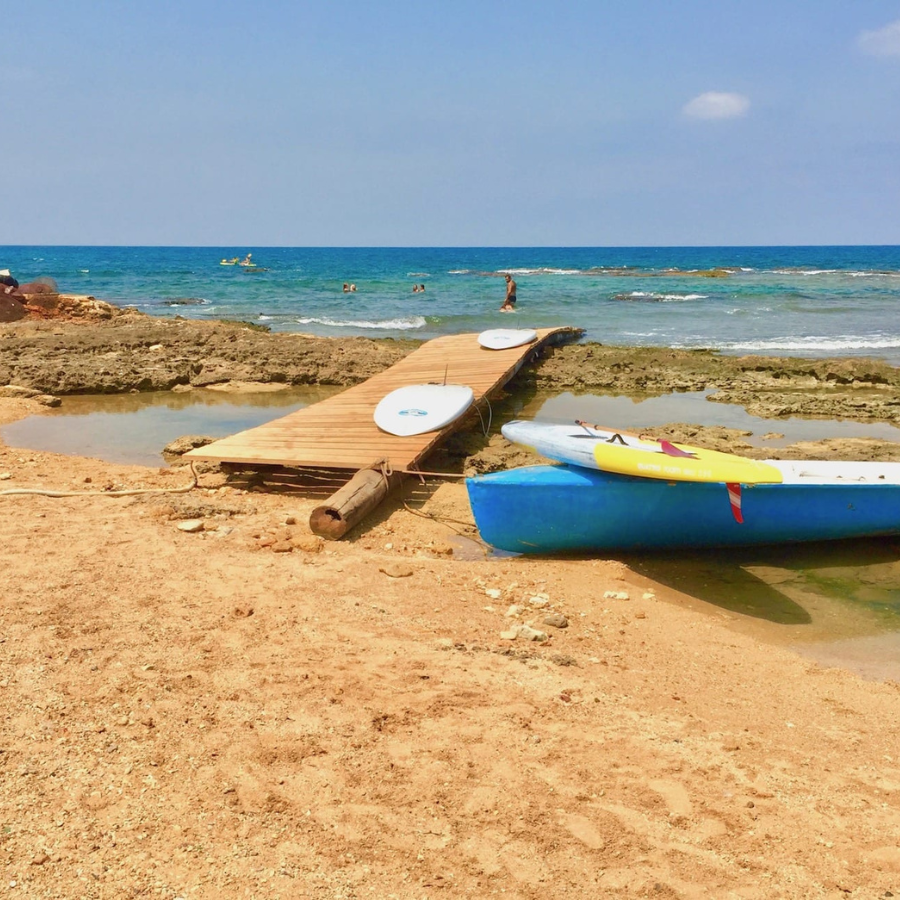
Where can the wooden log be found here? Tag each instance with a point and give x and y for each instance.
(353, 502)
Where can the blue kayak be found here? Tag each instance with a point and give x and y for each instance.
(546, 509)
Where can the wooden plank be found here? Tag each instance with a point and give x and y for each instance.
(340, 433)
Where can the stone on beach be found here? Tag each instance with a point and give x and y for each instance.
(11, 310)
(527, 633)
(395, 570)
(191, 526)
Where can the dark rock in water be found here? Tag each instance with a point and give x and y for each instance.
(11, 310)
(184, 301)
(186, 442)
(39, 286)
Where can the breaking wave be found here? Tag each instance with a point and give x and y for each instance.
(850, 273)
(814, 344)
(653, 297)
(550, 270)
(406, 324)
(541, 271)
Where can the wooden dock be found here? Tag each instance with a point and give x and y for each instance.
(340, 433)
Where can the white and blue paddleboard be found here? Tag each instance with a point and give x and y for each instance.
(418, 408)
(504, 338)
(585, 445)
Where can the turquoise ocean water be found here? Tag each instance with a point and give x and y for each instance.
(801, 301)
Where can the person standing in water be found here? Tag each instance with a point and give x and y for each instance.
(509, 304)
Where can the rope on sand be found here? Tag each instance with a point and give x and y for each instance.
(442, 520)
(450, 523)
(129, 493)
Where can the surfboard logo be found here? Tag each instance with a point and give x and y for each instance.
(412, 411)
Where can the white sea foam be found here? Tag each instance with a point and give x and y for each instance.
(418, 275)
(660, 298)
(409, 324)
(805, 272)
(818, 344)
(874, 274)
(848, 273)
(542, 270)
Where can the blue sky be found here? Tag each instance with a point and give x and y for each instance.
(462, 123)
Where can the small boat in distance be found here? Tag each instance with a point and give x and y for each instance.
(245, 263)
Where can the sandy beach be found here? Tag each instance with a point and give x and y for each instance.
(202, 700)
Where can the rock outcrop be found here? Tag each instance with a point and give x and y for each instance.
(11, 309)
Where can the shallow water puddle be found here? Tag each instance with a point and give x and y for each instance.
(693, 406)
(837, 602)
(134, 428)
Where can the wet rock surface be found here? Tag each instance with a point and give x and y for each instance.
(134, 352)
(861, 389)
(131, 352)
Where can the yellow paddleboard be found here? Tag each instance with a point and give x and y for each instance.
(628, 454)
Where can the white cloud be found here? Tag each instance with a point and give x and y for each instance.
(882, 42)
(717, 105)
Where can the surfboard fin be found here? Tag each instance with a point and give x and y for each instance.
(671, 450)
(734, 498)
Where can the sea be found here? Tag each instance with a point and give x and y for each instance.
(786, 301)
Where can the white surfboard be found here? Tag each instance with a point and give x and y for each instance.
(629, 454)
(504, 338)
(418, 408)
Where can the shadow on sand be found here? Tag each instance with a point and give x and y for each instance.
(750, 581)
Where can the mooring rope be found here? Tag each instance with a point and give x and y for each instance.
(446, 520)
(442, 520)
(423, 472)
(486, 430)
(129, 493)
